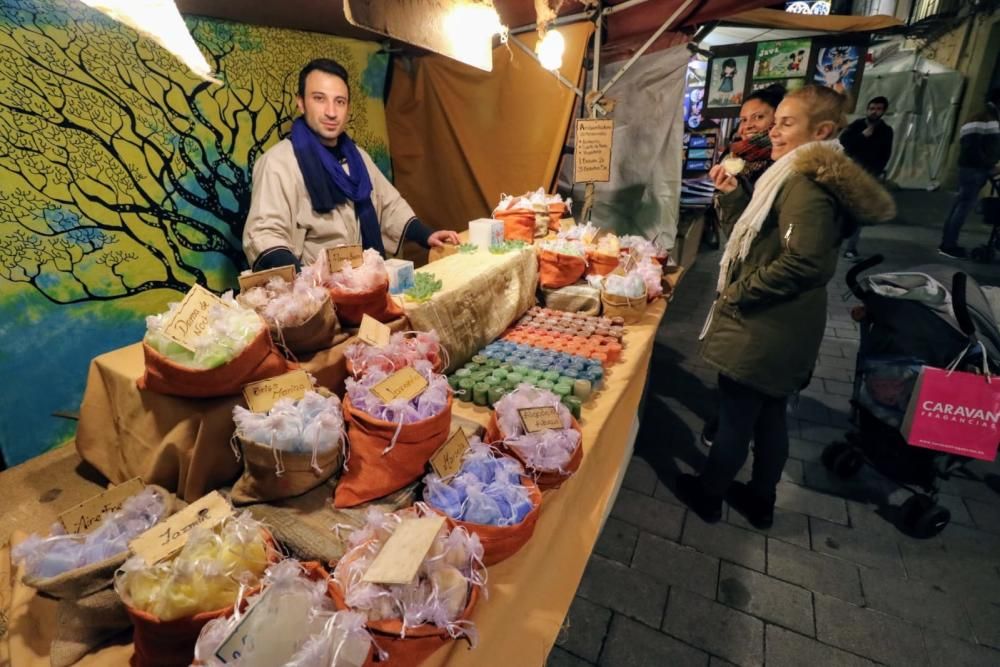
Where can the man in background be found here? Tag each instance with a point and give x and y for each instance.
(978, 155)
(868, 141)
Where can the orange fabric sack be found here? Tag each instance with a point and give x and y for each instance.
(502, 542)
(369, 471)
(518, 224)
(420, 642)
(545, 479)
(258, 361)
(377, 303)
(556, 212)
(599, 264)
(556, 270)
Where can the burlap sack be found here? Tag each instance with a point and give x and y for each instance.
(545, 479)
(518, 224)
(374, 469)
(599, 264)
(258, 361)
(319, 332)
(377, 303)
(556, 211)
(311, 528)
(270, 474)
(556, 270)
(574, 299)
(631, 309)
(89, 611)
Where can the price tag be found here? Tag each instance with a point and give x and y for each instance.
(168, 537)
(448, 459)
(190, 320)
(259, 278)
(404, 551)
(374, 332)
(86, 515)
(405, 383)
(263, 394)
(337, 255)
(540, 419)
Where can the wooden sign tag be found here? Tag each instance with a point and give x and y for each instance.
(405, 383)
(86, 515)
(190, 320)
(404, 551)
(374, 332)
(168, 537)
(338, 254)
(540, 419)
(261, 278)
(447, 460)
(263, 394)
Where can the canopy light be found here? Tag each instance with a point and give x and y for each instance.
(550, 50)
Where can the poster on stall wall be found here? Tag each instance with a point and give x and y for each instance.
(840, 67)
(787, 59)
(727, 82)
(694, 93)
(788, 84)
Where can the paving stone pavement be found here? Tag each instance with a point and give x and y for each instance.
(835, 581)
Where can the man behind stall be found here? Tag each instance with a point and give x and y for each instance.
(317, 188)
(868, 141)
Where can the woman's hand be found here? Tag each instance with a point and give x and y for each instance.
(441, 237)
(723, 182)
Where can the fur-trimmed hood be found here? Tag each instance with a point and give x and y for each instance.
(863, 198)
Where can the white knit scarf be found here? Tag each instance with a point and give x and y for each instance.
(752, 219)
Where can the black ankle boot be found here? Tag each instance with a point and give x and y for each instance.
(690, 490)
(757, 510)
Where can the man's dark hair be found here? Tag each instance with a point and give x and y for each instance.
(323, 65)
(993, 96)
(879, 100)
(771, 96)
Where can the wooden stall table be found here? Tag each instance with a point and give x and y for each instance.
(182, 444)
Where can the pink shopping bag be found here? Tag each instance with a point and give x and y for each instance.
(954, 412)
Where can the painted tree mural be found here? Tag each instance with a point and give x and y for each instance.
(123, 178)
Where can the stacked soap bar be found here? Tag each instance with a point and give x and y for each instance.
(596, 338)
(503, 365)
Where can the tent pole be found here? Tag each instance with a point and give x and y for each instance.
(557, 74)
(592, 106)
(649, 42)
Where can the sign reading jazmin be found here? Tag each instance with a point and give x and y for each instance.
(592, 153)
(263, 394)
(168, 537)
(447, 460)
(190, 320)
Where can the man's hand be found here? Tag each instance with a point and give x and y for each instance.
(723, 182)
(441, 237)
(868, 131)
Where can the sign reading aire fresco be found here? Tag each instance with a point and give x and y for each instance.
(592, 156)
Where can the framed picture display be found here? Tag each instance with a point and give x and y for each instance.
(780, 62)
(728, 80)
(839, 64)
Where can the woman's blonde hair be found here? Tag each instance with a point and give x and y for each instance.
(823, 104)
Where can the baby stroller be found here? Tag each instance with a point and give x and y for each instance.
(991, 216)
(908, 320)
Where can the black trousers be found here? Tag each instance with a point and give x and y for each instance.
(746, 414)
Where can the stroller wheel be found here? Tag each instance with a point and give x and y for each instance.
(923, 518)
(983, 254)
(842, 459)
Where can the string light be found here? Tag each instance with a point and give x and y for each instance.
(550, 50)
(470, 27)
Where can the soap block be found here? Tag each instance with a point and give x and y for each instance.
(485, 232)
(400, 275)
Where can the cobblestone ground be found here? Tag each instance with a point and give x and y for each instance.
(834, 582)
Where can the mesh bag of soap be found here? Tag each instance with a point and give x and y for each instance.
(551, 456)
(390, 443)
(292, 622)
(410, 621)
(78, 569)
(358, 291)
(289, 450)
(518, 217)
(235, 348)
(404, 348)
(561, 263)
(299, 314)
(490, 496)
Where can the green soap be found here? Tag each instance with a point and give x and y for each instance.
(552, 376)
(514, 379)
(500, 374)
(492, 363)
(465, 389)
(463, 373)
(495, 394)
(534, 374)
(472, 366)
(574, 405)
(480, 359)
(562, 390)
(453, 381)
(545, 384)
(522, 370)
(505, 367)
(480, 393)
(479, 376)
(491, 381)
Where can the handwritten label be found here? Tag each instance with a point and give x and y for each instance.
(86, 515)
(592, 155)
(540, 419)
(404, 551)
(260, 278)
(448, 459)
(624, 265)
(404, 384)
(168, 537)
(190, 320)
(374, 332)
(337, 255)
(263, 394)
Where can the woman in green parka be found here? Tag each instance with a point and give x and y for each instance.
(765, 328)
